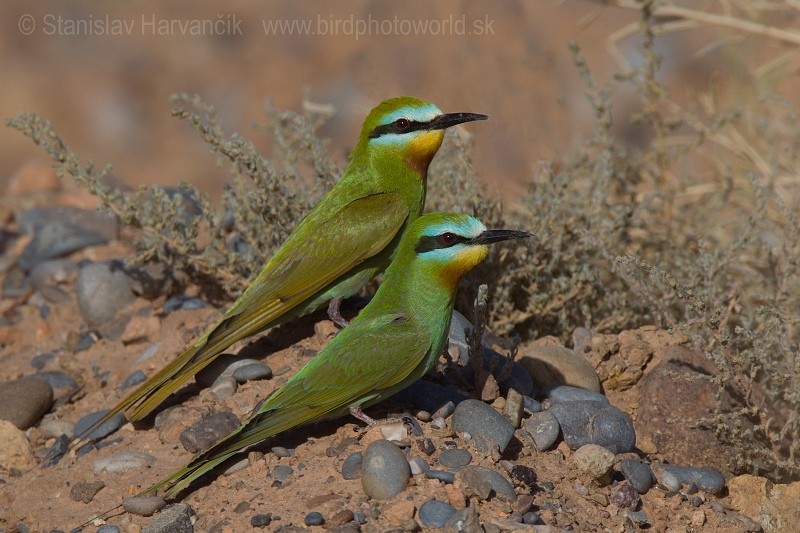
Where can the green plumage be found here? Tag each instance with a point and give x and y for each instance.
(340, 246)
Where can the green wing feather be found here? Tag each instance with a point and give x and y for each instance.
(358, 367)
(321, 250)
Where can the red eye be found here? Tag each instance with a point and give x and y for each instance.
(448, 238)
(402, 123)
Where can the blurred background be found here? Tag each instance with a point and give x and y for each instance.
(103, 74)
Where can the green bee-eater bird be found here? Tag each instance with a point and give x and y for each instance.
(393, 342)
(342, 244)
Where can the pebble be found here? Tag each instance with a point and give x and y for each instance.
(530, 406)
(148, 352)
(418, 466)
(135, 378)
(463, 521)
(122, 461)
(16, 451)
(261, 520)
(83, 491)
(351, 467)
(236, 466)
(385, 471)
(595, 461)
(444, 411)
(314, 518)
(204, 433)
(103, 289)
(41, 360)
(552, 365)
(434, 513)
(143, 505)
(56, 239)
(428, 396)
(424, 416)
(57, 451)
(104, 430)
(532, 519)
(566, 393)
(544, 428)
(638, 474)
(514, 407)
(593, 422)
(444, 476)
(252, 372)
(455, 458)
(639, 518)
(280, 451)
(625, 497)
(24, 401)
(705, 480)
(224, 387)
(281, 473)
(108, 528)
(484, 481)
(183, 303)
(524, 474)
(177, 518)
(224, 365)
(489, 429)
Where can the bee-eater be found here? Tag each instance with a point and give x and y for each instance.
(393, 342)
(344, 242)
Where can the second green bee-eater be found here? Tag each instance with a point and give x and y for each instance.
(344, 242)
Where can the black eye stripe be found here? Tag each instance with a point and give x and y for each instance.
(384, 129)
(427, 243)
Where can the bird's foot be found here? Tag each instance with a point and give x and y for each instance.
(358, 413)
(334, 313)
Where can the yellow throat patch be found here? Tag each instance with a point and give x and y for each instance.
(465, 261)
(422, 149)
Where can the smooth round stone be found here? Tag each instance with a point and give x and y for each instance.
(135, 378)
(108, 528)
(638, 474)
(281, 473)
(176, 518)
(612, 429)
(444, 411)
(543, 427)
(314, 518)
(486, 481)
(351, 467)
(532, 519)
(553, 365)
(123, 461)
(183, 303)
(24, 401)
(103, 289)
(705, 480)
(224, 365)
(418, 466)
(252, 372)
(489, 429)
(455, 458)
(575, 419)
(280, 451)
(434, 513)
(442, 475)
(206, 432)
(530, 406)
(261, 520)
(385, 471)
(595, 461)
(236, 466)
(143, 505)
(224, 387)
(105, 429)
(565, 393)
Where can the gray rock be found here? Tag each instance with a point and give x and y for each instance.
(224, 387)
(455, 458)
(489, 429)
(314, 518)
(83, 491)
(543, 427)
(63, 385)
(385, 471)
(136, 377)
(639, 518)
(351, 467)
(552, 365)
(24, 401)
(57, 239)
(428, 396)
(177, 518)
(530, 406)
(204, 433)
(592, 422)
(183, 303)
(418, 466)
(224, 365)
(103, 290)
(485, 482)
(434, 513)
(107, 428)
(252, 372)
(108, 528)
(463, 521)
(704, 479)
(281, 473)
(444, 476)
(50, 272)
(122, 462)
(143, 505)
(566, 393)
(639, 474)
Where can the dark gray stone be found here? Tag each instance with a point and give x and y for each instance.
(613, 430)
(485, 482)
(463, 521)
(281, 473)
(63, 385)
(177, 518)
(434, 513)
(143, 505)
(705, 480)
(314, 518)
(385, 471)
(444, 476)
(23, 402)
(566, 393)
(206, 432)
(103, 290)
(351, 467)
(107, 428)
(252, 372)
(639, 474)
(135, 378)
(574, 419)
(57, 239)
(488, 428)
(455, 458)
(543, 427)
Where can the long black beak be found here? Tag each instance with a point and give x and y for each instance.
(496, 235)
(451, 119)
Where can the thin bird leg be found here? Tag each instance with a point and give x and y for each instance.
(358, 413)
(334, 313)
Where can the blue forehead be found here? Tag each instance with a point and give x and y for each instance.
(419, 114)
(468, 227)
